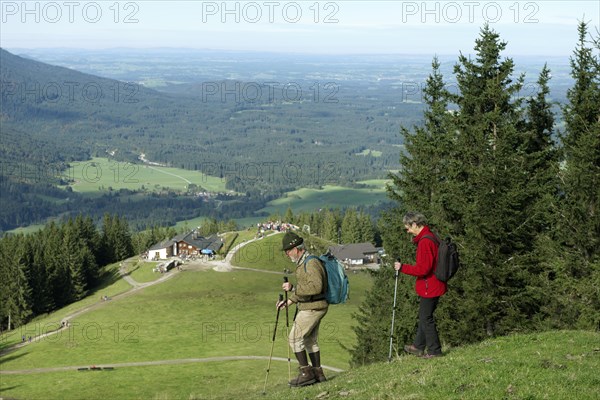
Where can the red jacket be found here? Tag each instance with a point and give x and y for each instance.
(427, 284)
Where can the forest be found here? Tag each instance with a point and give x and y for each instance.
(519, 198)
(54, 116)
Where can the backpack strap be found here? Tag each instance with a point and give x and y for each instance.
(309, 258)
(433, 238)
(322, 295)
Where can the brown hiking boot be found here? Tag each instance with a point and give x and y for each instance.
(319, 375)
(305, 377)
(411, 349)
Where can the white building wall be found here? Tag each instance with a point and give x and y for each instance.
(162, 254)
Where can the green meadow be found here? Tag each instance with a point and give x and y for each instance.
(98, 174)
(555, 365)
(330, 196)
(265, 254)
(193, 315)
(208, 335)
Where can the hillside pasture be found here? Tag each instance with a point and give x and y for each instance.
(100, 174)
(329, 196)
(192, 316)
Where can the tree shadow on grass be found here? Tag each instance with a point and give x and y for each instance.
(5, 358)
(108, 278)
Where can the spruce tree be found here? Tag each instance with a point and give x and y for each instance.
(420, 185)
(37, 275)
(367, 230)
(495, 224)
(73, 262)
(331, 224)
(289, 216)
(581, 145)
(14, 287)
(350, 227)
(574, 265)
(476, 170)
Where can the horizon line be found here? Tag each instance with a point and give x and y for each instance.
(270, 52)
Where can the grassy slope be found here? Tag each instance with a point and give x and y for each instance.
(90, 175)
(264, 254)
(193, 315)
(549, 365)
(211, 314)
(330, 196)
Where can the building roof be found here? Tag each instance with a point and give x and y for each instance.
(353, 251)
(162, 245)
(212, 242)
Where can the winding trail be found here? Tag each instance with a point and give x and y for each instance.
(151, 363)
(136, 286)
(223, 266)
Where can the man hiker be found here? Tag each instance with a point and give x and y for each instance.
(309, 295)
(428, 287)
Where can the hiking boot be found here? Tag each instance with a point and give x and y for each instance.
(319, 375)
(305, 377)
(411, 349)
(428, 356)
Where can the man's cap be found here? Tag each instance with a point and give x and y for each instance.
(290, 240)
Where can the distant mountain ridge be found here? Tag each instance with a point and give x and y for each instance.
(52, 116)
(101, 115)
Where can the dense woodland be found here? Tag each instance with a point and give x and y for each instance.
(57, 265)
(519, 198)
(53, 116)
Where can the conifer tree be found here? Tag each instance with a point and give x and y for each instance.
(289, 215)
(580, 176)
(72, 261)
(37, 274)
(541, 152)
(14, 288)
(497, 224)
(53, 261)
(122, 242)
(116, 239)
(574, 255)
(89, 242)
(419, 184)
(367, 230)
(350, 227)
(330, 225)
(474, 170)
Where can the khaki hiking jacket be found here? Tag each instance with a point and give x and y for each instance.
(311, 284)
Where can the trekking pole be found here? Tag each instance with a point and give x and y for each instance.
(393, 317)
(272, 345)
(287, 330)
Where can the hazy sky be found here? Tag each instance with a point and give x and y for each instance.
(324, 27)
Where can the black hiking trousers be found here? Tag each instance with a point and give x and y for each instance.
(427, 334)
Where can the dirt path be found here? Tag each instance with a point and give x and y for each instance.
(150, 363)
(136, 286)
(221, 265)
